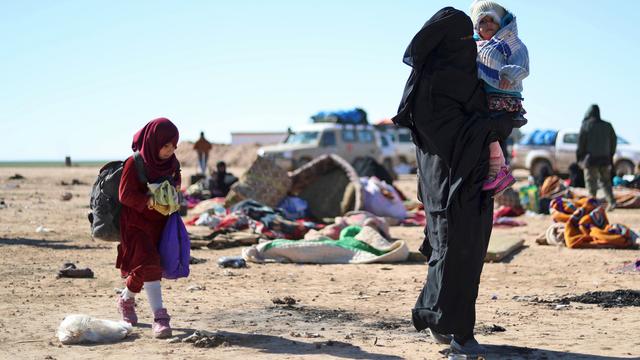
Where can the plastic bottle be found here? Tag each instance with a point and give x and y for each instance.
(232, 262)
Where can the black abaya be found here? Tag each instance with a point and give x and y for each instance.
(445, 106)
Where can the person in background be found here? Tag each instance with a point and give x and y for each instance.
(202, 147)
(221, 181)
(596, 146)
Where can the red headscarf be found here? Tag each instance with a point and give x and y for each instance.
(149, 140)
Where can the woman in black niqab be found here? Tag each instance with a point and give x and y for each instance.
(445, 107)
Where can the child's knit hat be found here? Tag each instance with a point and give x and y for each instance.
(482, 8)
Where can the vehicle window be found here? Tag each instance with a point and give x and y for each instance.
(404, 137)
(365, 136)
(383, 141)
(306, 137)
(570, 138)
(348, 135)
(622, 141)
(328, 138)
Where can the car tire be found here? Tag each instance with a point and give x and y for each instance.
(624, 167)
(538, 166)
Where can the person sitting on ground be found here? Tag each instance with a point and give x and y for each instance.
(221, 181)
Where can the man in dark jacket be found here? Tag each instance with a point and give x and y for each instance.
(596, 147)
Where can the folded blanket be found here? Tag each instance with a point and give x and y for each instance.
(355, 246)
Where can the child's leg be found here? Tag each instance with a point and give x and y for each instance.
(127, 305)
(152, 286)
(496, 159)
(154, 294)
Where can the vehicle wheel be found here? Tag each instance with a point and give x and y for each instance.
(540, 167)
(624, 167)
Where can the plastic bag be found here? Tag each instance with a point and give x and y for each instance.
(174, 248)
(78, 328)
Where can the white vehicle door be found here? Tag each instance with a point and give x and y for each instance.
(566, 146)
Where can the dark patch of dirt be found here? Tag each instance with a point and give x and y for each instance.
(393, 324)
(287, 300)
(489, 329)
(607, 299)
(323, 315)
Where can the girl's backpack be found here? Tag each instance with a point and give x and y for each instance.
(105, 204)
(174, 248)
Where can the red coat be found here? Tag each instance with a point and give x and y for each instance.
(140, 231)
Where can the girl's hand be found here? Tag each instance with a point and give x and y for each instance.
(150, 203)
(505, 83)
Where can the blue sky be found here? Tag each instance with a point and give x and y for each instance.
(80, 77)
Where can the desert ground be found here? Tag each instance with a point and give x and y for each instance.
(341, 311)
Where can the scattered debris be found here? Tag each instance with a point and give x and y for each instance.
(66, 196)
(16, 177)
(196, 288)
(174, 340)
(488, 330)
(305, 334)
(228, 272)
(195, 260)
(73, 182)
(561, 306)
(42, 229)
(392, 324)
(206, 339)
(606, 299)
(235, 262)
(287, 300)
(69, 270)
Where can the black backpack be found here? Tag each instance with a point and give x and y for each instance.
(105, 204)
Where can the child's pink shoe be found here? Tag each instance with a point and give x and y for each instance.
(161, 328)
(501, 182)
(127, 308)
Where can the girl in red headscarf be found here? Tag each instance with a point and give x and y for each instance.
(141, 226)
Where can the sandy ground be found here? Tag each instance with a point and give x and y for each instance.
(357, 311)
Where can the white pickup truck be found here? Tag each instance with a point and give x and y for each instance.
(556, 150)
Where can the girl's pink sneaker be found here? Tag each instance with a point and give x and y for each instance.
(501, 182)
(127, 308)
(161, 328)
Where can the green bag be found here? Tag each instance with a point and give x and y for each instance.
(529, 197)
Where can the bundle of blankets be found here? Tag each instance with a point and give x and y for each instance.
(357, 237)
(583, 223)
(270, 223)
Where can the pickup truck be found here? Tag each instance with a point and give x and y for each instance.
(556, 150)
